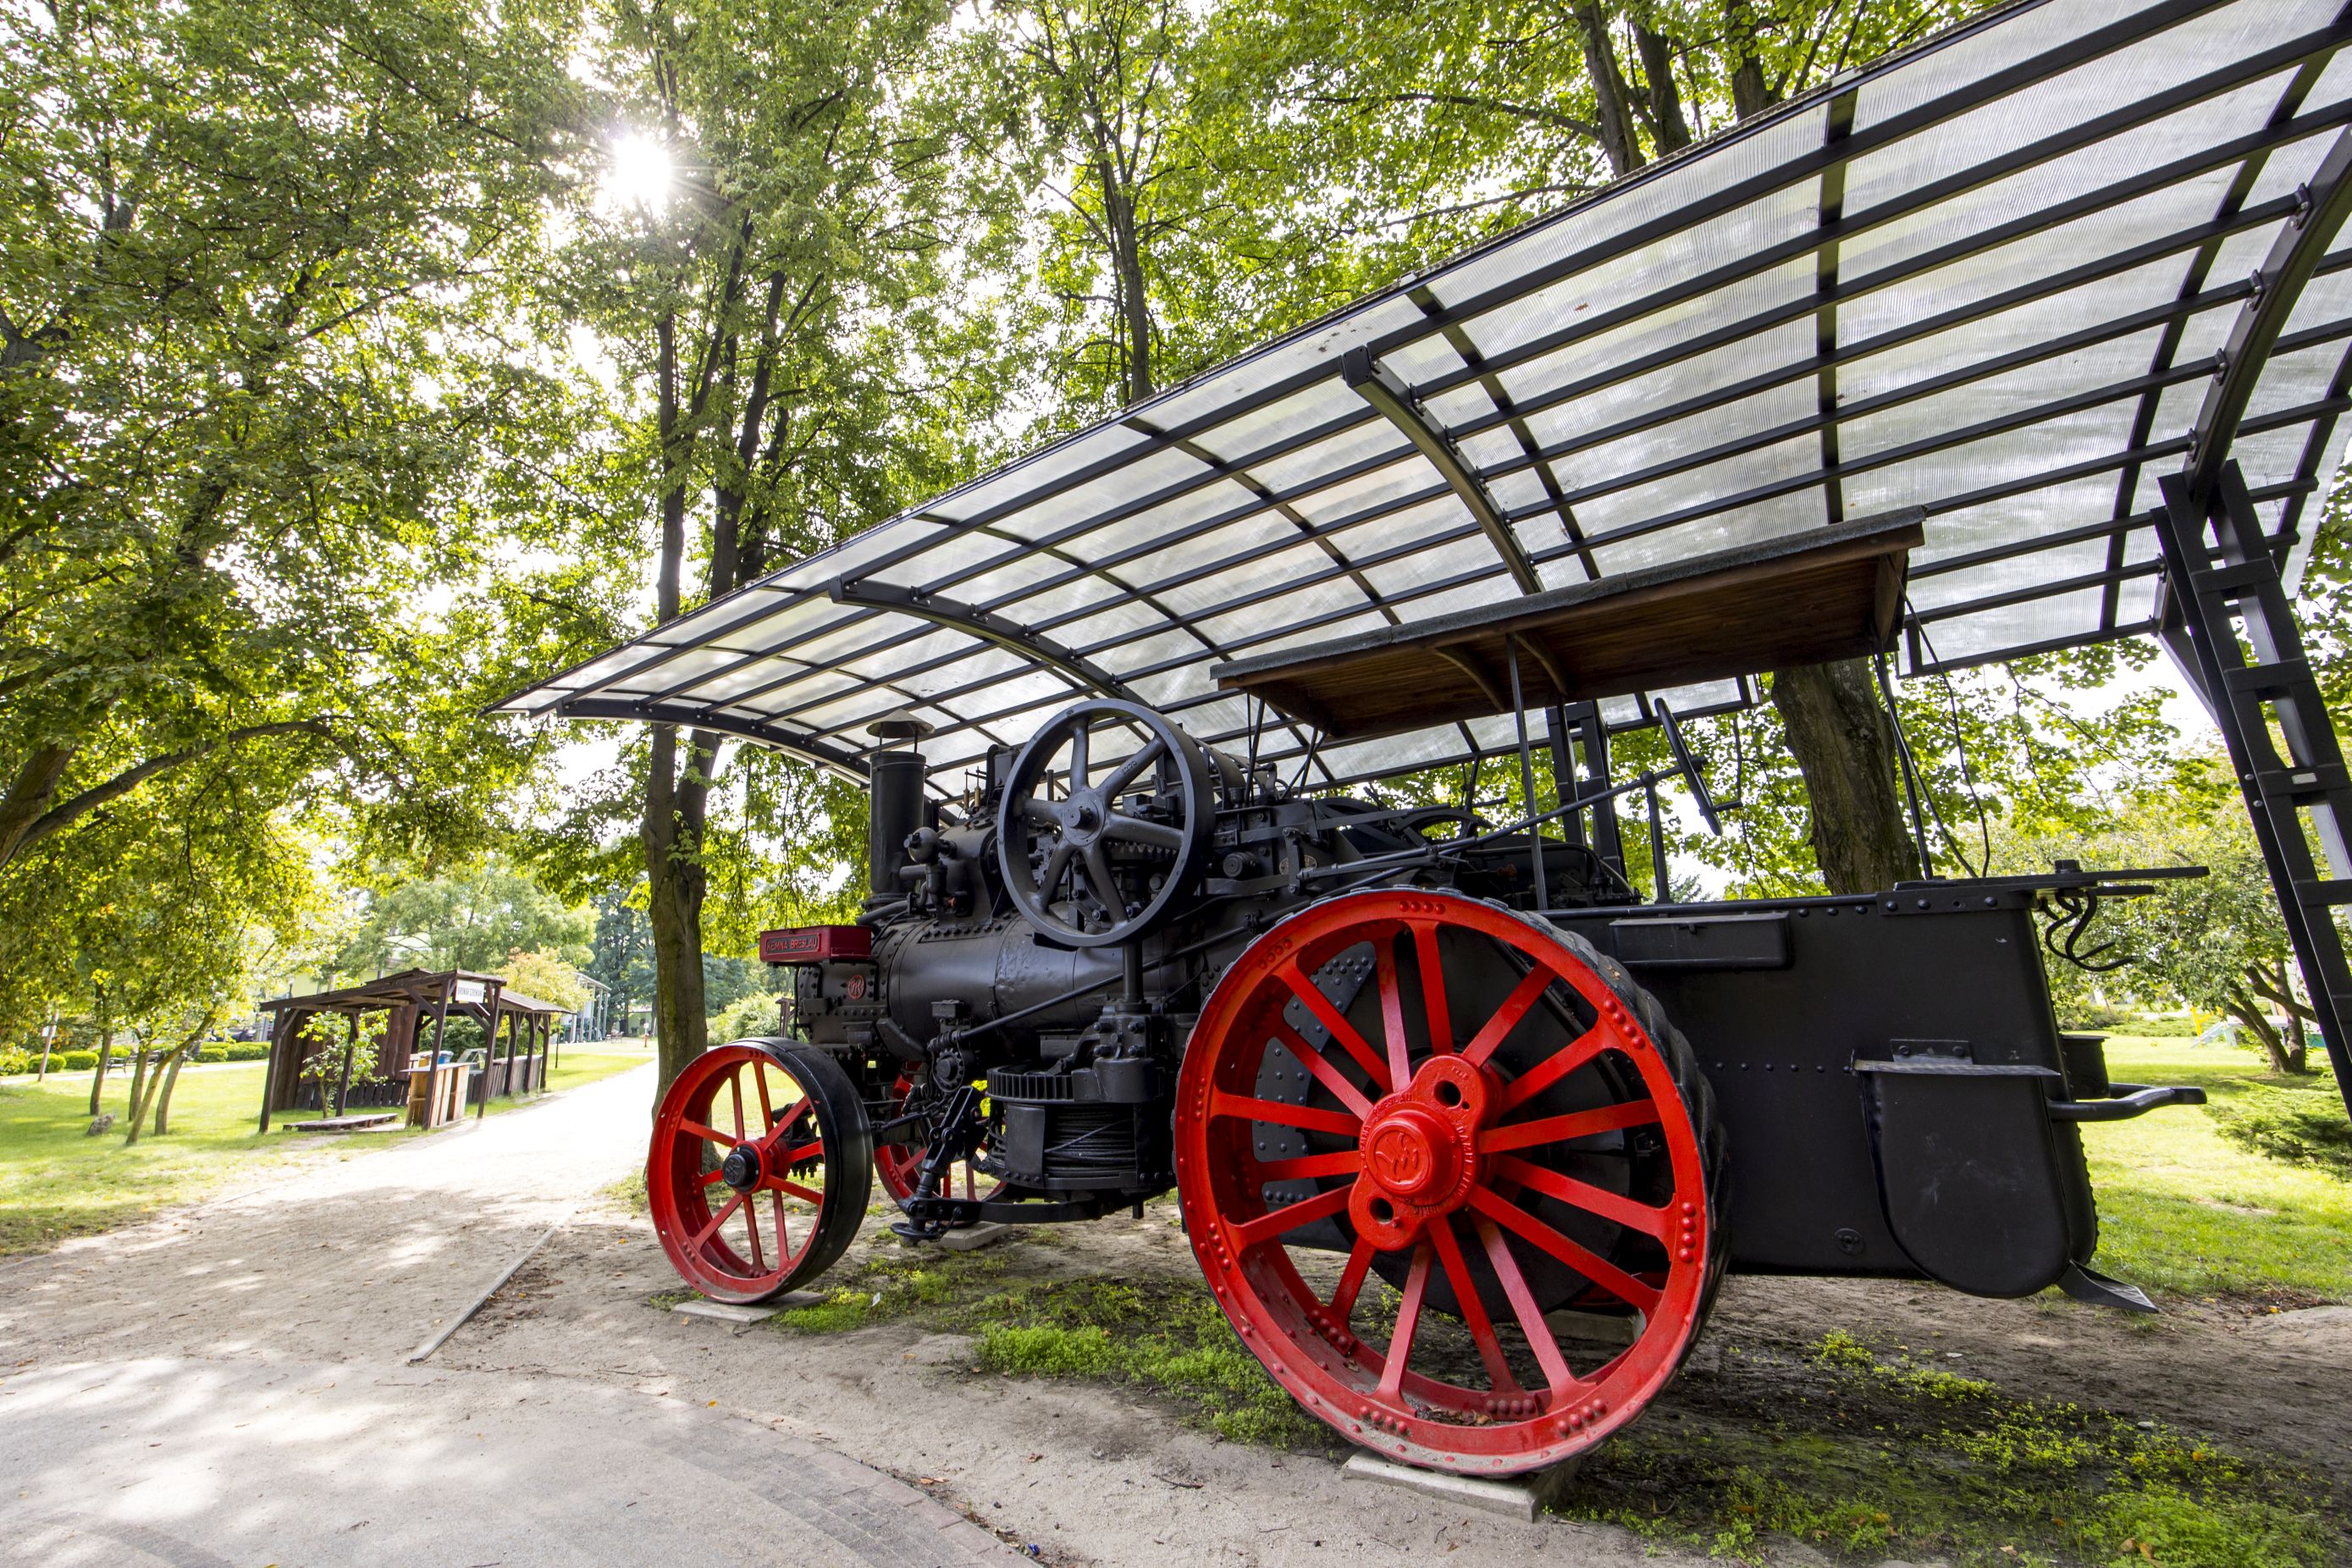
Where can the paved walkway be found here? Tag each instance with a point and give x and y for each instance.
(229, 1385)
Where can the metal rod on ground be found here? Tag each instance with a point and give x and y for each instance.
(1910, 773)
(441, 1335)
(1526, 776)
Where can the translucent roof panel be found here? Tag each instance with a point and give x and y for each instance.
(1997, 277)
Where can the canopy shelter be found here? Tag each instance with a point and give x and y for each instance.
(416, 1006)
(2007, 277)
(2066, 284)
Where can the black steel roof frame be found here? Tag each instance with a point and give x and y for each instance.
(808, 748)
(2329, 333)
(2136, 321)
(1921, 118)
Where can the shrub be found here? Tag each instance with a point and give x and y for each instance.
(2294, 1126)
(12, 1060)
(74, 1061)
(245, 1051)
(757, 1015)
(210, 1054)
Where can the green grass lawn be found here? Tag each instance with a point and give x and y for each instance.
(2182, 1209)
(56, 1182)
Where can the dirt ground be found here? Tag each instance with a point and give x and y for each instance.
(1095, 1473)
(355, 1263)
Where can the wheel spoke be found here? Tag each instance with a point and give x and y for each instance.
(1592, 1266)
(1307, 1119)
(1384, 965)
(1128, 771)
(1105, 886)
(787, 1158)
(1143, 830)
(1080, 763)
(1037, 813)
(1057, 865)
(767, 1112)
(779, 1125)
(1575, 1125)
(1265, 1228)
(806, 1194)
(1523, 1307)
(1473, 1308)
(708, 1134)
(1432, 985)
(1318, 1007)
(712, 1178)
(1506, 1017)
(1557, 1066)
(1400, 1351)
(1316, 1062)
(735, 1088)
(1345, 1162)
(1352, 1279)
(783, 1233)
(751, 1229)
(708, 1231)
(1612, 1207)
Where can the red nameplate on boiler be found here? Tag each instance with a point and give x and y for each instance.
(812, 944)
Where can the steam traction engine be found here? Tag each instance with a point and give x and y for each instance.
(1424, 1086)
(2030, 338)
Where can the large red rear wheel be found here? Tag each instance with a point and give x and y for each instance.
(1410, 1127)
(759, 1171)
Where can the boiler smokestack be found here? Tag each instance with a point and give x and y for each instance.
(894, 801)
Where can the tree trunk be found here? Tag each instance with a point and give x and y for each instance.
(163, 1100)
(2248, 1010)
(1127, 271)
(1668, 125)
(1609, 94)
(2298, 1050)
(1845, 745)
(105, 1057)
(675, 884)
(139, 1055)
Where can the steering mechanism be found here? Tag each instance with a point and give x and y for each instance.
(1093, 861)
(1685, 764)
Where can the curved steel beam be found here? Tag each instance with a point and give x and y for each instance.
(2293, 257)
(808, 748)
(982, 623)
(1378, 385)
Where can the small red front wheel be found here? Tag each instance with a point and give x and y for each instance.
(1411, 1127)
(759, 1171)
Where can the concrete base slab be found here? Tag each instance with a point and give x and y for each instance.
(1521, 1498)
(721, 1312)
(972, 1237)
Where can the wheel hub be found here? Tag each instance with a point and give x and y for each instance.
(741, 1169)
(1412, 1152)
(1420, 1150)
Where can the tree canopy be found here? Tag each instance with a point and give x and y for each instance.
(363, 362)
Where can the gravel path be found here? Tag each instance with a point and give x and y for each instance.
(229, 1384)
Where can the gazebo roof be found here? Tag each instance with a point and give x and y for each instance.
(462, 987)
(2007, 277)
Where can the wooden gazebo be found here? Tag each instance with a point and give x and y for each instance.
(411, 1001)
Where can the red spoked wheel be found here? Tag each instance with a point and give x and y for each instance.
(900, 1165)
(1409, 1126)
(761, 1169)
